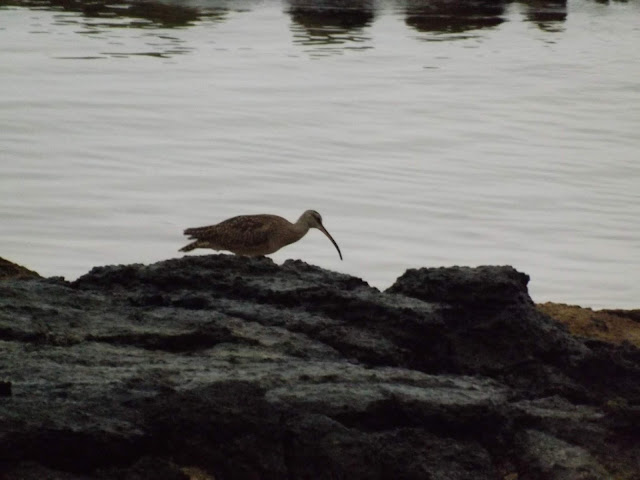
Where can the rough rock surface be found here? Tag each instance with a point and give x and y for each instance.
(238, 368)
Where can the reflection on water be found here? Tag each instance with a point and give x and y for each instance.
(95, 18)
(326, 26)
(101, 18)
(548, 15)
(315, 21)
(450, 16)
(321, 27)
(331, 22)
(140, 14)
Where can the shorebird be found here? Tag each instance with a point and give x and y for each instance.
(255, 235)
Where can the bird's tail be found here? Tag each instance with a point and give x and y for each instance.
(189, 247)
(194, 232)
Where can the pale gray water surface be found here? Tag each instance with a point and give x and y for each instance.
(425, 133)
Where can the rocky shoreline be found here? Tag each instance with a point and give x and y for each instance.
(222, 367)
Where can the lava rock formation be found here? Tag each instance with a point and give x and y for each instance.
(237, 368)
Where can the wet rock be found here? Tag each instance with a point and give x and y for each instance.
(548, 457)
(489, 287)
(5, 389)
(293, 432)
(494, 328)
(238, 368)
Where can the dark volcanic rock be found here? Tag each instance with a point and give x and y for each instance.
(487, 287)
(493, 328)
(244, 369)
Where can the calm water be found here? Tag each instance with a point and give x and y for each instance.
(426, 133)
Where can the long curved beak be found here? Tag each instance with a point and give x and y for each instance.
(324, 230)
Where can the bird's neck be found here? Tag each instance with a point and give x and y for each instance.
(301, 227)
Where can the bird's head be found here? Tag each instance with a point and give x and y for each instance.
(314, 220)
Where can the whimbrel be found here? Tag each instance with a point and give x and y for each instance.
(255, 235)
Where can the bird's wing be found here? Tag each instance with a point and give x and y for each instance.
(246, 230)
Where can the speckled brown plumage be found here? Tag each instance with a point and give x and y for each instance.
(255, 235)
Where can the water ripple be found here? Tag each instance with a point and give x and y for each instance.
(516, 143)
